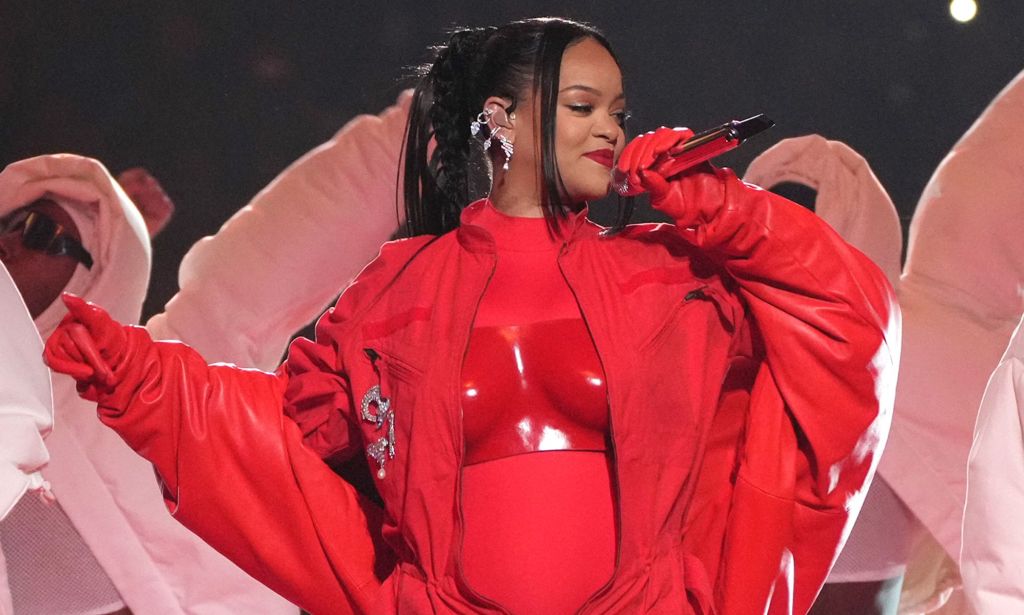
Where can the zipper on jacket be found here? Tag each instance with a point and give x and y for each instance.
(697, 293)
(462, 455)
(398, 367)
(612, 448)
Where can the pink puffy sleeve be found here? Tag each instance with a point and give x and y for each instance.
(279, 261)
(26, 403)
(992, 556)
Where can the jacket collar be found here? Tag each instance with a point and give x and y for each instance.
(475, 238)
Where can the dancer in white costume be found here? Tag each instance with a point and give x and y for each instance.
(26, 410)
(992, 557)
(110, 543)
(26, 400)
(961, 300)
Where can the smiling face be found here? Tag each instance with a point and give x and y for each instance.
(589, 117)
(589, 123)
(40, 277)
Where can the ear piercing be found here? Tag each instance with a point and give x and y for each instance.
(481, 121)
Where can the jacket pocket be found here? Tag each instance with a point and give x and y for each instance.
(692, 296)
(388, 364)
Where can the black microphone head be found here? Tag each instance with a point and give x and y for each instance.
(744, 129)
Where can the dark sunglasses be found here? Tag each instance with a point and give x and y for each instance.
(41, 232)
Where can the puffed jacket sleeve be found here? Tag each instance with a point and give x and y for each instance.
(26, 400)
(825, 322)
(992, 556)
(234, 469)
(279, 261)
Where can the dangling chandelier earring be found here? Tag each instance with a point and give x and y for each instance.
(506, 147)
(481, 121)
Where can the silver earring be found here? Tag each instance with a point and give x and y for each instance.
(494, 134)
(506, 148)
(481, 120)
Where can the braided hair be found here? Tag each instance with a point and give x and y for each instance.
(510, 61)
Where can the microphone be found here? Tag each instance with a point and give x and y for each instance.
(699, 148)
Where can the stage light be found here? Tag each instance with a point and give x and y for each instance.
(963, 10)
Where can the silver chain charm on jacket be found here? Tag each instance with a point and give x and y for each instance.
(384, 448)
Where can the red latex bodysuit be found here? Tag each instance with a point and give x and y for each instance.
(535, 418)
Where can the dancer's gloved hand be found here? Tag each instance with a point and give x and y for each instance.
(690, 197)
(88, 345)
(149, 196)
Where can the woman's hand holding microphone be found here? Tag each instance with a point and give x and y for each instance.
(690, 197)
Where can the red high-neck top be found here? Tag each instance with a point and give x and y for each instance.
(537, 496)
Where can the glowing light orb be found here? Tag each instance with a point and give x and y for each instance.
(963, 10)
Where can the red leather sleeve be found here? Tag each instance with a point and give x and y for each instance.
(826, 323)
(236, 473)
(318, 393)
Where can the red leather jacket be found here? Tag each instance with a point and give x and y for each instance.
(750, 363)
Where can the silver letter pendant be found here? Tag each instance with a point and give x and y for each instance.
(384, 448)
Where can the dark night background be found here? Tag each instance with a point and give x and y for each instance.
(215, 99)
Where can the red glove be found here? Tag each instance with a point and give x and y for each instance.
(690, 197)
(88, 345)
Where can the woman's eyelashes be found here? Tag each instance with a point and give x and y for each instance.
(585, 109)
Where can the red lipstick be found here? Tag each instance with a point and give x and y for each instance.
(602, 156)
